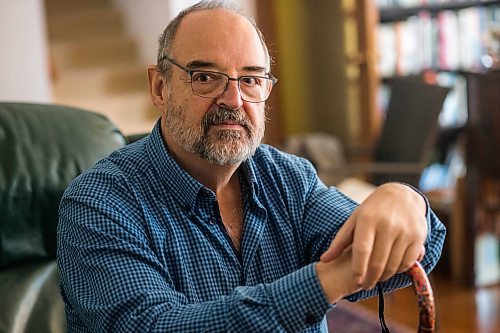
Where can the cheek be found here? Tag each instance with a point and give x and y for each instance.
(181, 97)
(193, 109)
(256, 113)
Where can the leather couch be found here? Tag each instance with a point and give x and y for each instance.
(42, 148)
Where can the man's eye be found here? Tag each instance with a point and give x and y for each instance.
(204, 77)
(250, 80)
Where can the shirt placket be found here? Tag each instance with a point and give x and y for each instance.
(209, 213)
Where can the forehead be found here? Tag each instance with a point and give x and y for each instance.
(220, 36)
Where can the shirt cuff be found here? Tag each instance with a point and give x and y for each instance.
(299, 298)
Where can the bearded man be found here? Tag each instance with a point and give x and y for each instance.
(199, 227)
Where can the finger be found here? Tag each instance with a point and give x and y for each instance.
(394, 262)
(341, 241)
(362, 247)
(382, 248)
(422, 253)
(411, 255)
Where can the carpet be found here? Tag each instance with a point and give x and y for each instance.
(349, 317)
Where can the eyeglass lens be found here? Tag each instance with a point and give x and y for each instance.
(213, 84)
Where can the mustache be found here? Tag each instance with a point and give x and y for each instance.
(221, 115)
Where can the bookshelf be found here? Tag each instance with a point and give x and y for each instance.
(392, 12)
(482, 195)
(459, 42)
(443, 36)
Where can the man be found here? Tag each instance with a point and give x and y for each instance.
(199, 228)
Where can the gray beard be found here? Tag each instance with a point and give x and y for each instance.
(220, 147)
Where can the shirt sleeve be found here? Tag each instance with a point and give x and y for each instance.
(112, 282)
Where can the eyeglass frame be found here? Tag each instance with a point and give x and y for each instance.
(190, 72)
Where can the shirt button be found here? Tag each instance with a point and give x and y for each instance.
(212, 220)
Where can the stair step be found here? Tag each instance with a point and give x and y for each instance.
(96, 63)
(85, 24)
(53, 7)
(97, 81)
(132, 113)
(93, 52)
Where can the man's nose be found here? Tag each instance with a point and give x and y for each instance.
(231, 97)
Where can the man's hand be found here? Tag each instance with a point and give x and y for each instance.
(386, 232)
(335, 277)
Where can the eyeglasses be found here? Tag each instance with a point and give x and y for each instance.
(209, 84)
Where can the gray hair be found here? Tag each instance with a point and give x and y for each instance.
(166, 39)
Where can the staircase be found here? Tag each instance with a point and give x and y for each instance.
(96, 65)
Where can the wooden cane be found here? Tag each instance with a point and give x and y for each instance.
(425, 297)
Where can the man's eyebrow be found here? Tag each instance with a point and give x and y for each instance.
(195, 64)
(259, 69)
(200, 64)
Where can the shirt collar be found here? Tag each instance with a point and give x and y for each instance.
(171, 175)
(249, 175)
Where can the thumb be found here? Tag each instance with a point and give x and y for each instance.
(341, 241)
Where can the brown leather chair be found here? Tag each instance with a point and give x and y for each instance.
(42, 148)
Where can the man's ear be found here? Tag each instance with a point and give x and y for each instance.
(156, 85)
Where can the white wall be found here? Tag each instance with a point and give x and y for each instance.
(147, 19)
(24, 73)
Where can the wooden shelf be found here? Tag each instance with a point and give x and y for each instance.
(394, 14)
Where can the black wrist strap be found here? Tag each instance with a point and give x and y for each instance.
(381, 318)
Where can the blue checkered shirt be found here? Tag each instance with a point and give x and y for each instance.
(142, 248)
